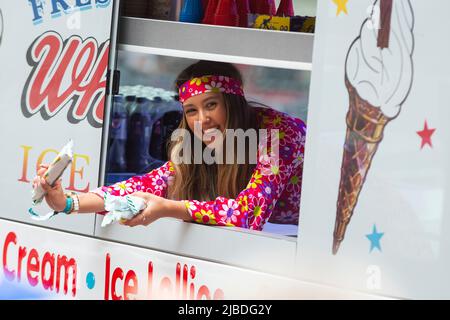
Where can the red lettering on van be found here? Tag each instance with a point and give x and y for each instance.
(67, 74)
(36, 266)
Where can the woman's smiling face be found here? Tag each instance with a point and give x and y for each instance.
(208, 109)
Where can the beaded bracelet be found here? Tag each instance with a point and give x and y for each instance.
(69, 205)
(76, 202)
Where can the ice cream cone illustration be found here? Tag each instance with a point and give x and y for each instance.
(378, 77)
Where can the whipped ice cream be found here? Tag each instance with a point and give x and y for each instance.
(383, 77)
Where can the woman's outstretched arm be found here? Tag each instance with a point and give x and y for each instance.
(154, 183)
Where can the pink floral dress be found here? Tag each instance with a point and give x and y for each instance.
(272, 194)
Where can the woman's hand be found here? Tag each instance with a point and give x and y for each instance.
(156, 206)
(54, 196)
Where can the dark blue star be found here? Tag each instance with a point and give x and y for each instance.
(374, 238)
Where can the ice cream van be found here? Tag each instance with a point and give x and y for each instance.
(371, 83)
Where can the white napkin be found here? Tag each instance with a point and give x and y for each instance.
(121, 208)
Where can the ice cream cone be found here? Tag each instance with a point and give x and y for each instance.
(365, 126)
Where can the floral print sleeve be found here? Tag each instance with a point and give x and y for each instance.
(253, 206)
(154, 182)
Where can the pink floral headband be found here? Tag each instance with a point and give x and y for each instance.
(204, 84)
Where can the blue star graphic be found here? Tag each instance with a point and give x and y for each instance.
(374, 238)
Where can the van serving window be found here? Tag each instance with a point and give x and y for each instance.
(148, 111)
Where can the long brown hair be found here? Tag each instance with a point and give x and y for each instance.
(205, 182)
